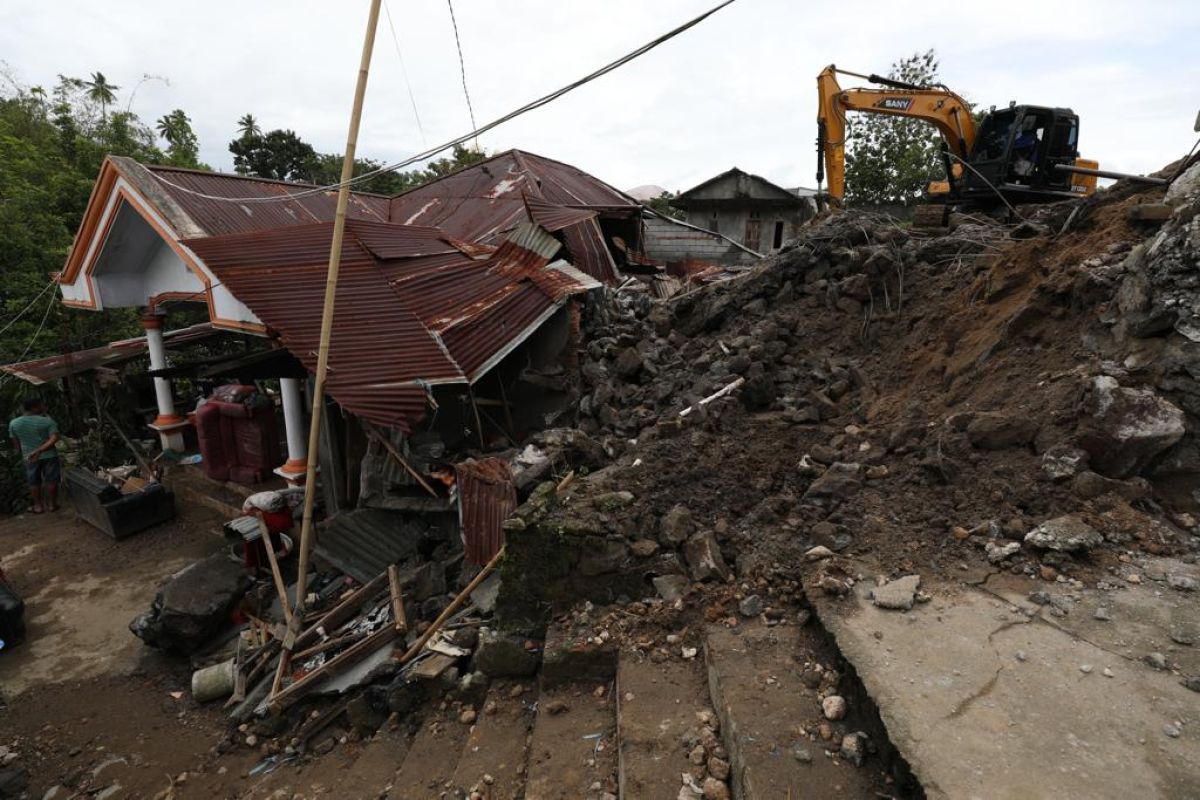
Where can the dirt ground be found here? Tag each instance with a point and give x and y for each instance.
(84, 703)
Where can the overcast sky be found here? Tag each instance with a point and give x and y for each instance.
(738, 90)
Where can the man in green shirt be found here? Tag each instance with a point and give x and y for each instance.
(36, 435)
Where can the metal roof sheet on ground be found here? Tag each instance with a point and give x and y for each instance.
(364, 542)
(219, 217)
(486, 497)
(43, 370)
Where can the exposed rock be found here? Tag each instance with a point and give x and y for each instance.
(833, 707)
(818, 553)
(501, 655)
(1126, 428)
(992, 431)
(997, 552)
(1183, 583)
(1156, 660)
(1062, 462)
(854, 748)
(192, 605)
(704, 557)
(839, 481)
(676, 525)
(599, 556)
(1090, 485)
(643, 548)
(750, 606)
(898, 594)
(628, 364)
(1064, 534)
(715, 789)
(670, 587)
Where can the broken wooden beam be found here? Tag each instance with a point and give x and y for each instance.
(400, 460)
(393, 573)
(265, 534)
(453, 607)
(351, 655)
(343, 611)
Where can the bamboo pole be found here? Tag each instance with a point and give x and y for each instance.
(335, 258)
(265, 533)
(453, 607)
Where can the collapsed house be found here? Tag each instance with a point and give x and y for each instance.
(760, 214)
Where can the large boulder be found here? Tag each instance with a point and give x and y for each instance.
(193, 605)
(1124, 429)
(1066, 534)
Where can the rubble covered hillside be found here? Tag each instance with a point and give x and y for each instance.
(1024, 398)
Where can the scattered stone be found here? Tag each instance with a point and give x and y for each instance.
(898, 594)
(704, 557)
(697, 756)
(997, 552)
(715, 789)
(1183, 583)
(877, 472)
(1184, 633)
(838, 482)
(718, 768)
(670, 587)
(1108, 673)
(556, 707)
(833, 707)
(854, 748)
(807, 468)
(1066, 534)
(1172, 730)
(750, 606)
(817, 553)
(676, 525)
(1191, 682)
(1086, 669)
(1102, 614)
(1156, 660)
(468, 716)
(1062, 463)
(644, 548)
(802, 754)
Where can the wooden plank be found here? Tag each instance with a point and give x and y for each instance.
(269, 546)
(343, 611)
(393, 573)
(433, 666)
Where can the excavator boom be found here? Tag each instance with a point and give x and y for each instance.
(936, 105)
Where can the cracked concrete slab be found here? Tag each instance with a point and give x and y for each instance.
(987, 702)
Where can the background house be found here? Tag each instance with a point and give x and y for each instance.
(747, 208)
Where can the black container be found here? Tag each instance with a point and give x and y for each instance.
(12, 614)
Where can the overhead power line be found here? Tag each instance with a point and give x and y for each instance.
(21, 313)
(404, 72)
(462, 68)
(433, 151)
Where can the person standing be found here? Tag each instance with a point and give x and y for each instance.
(36, 435)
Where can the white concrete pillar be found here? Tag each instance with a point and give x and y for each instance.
(297, 433)
(168, 424)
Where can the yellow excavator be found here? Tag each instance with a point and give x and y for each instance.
(1017, 154)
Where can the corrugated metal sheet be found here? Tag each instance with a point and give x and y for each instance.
(486, 497)
(44, 370)
(363, 543)
(218, 217)
(482, 202)
(588, 252)
(380, 353)
(401, 322)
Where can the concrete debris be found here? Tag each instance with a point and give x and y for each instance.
(898, 594)
(1066, 534)
(833, 707)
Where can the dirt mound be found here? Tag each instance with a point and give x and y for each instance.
(925, 401)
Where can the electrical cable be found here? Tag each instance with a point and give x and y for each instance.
(404, 72)
(1003, 199)
(21, 313)
(38, 332)
(433, 151)
(462, 68)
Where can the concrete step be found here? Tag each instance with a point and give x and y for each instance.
(373, 773)
(658, 707)
(573, 748)
(765, 691)
(494, 758)
(432, 758)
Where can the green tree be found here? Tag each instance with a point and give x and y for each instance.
(277, 154)
(889, 160)
(102, 92)
(662, 204)
(248, 126)
(184, 147)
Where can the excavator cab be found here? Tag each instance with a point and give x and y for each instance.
(1016, 151)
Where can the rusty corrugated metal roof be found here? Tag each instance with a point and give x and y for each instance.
(485, 200)
(486, 497)
(43, 370)
(221, 217)
(417, 317)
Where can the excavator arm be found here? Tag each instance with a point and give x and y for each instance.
(936, 105)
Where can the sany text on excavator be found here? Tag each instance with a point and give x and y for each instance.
(1022, 153)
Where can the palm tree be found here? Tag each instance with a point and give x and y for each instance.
(102, 92)
(248, 126)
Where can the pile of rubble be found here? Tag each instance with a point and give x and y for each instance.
(1022, 397)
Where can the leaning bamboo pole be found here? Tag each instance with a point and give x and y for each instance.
(335, 258)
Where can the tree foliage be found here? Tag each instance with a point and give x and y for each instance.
(889, 160)
(662, 205)
(183, 148)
